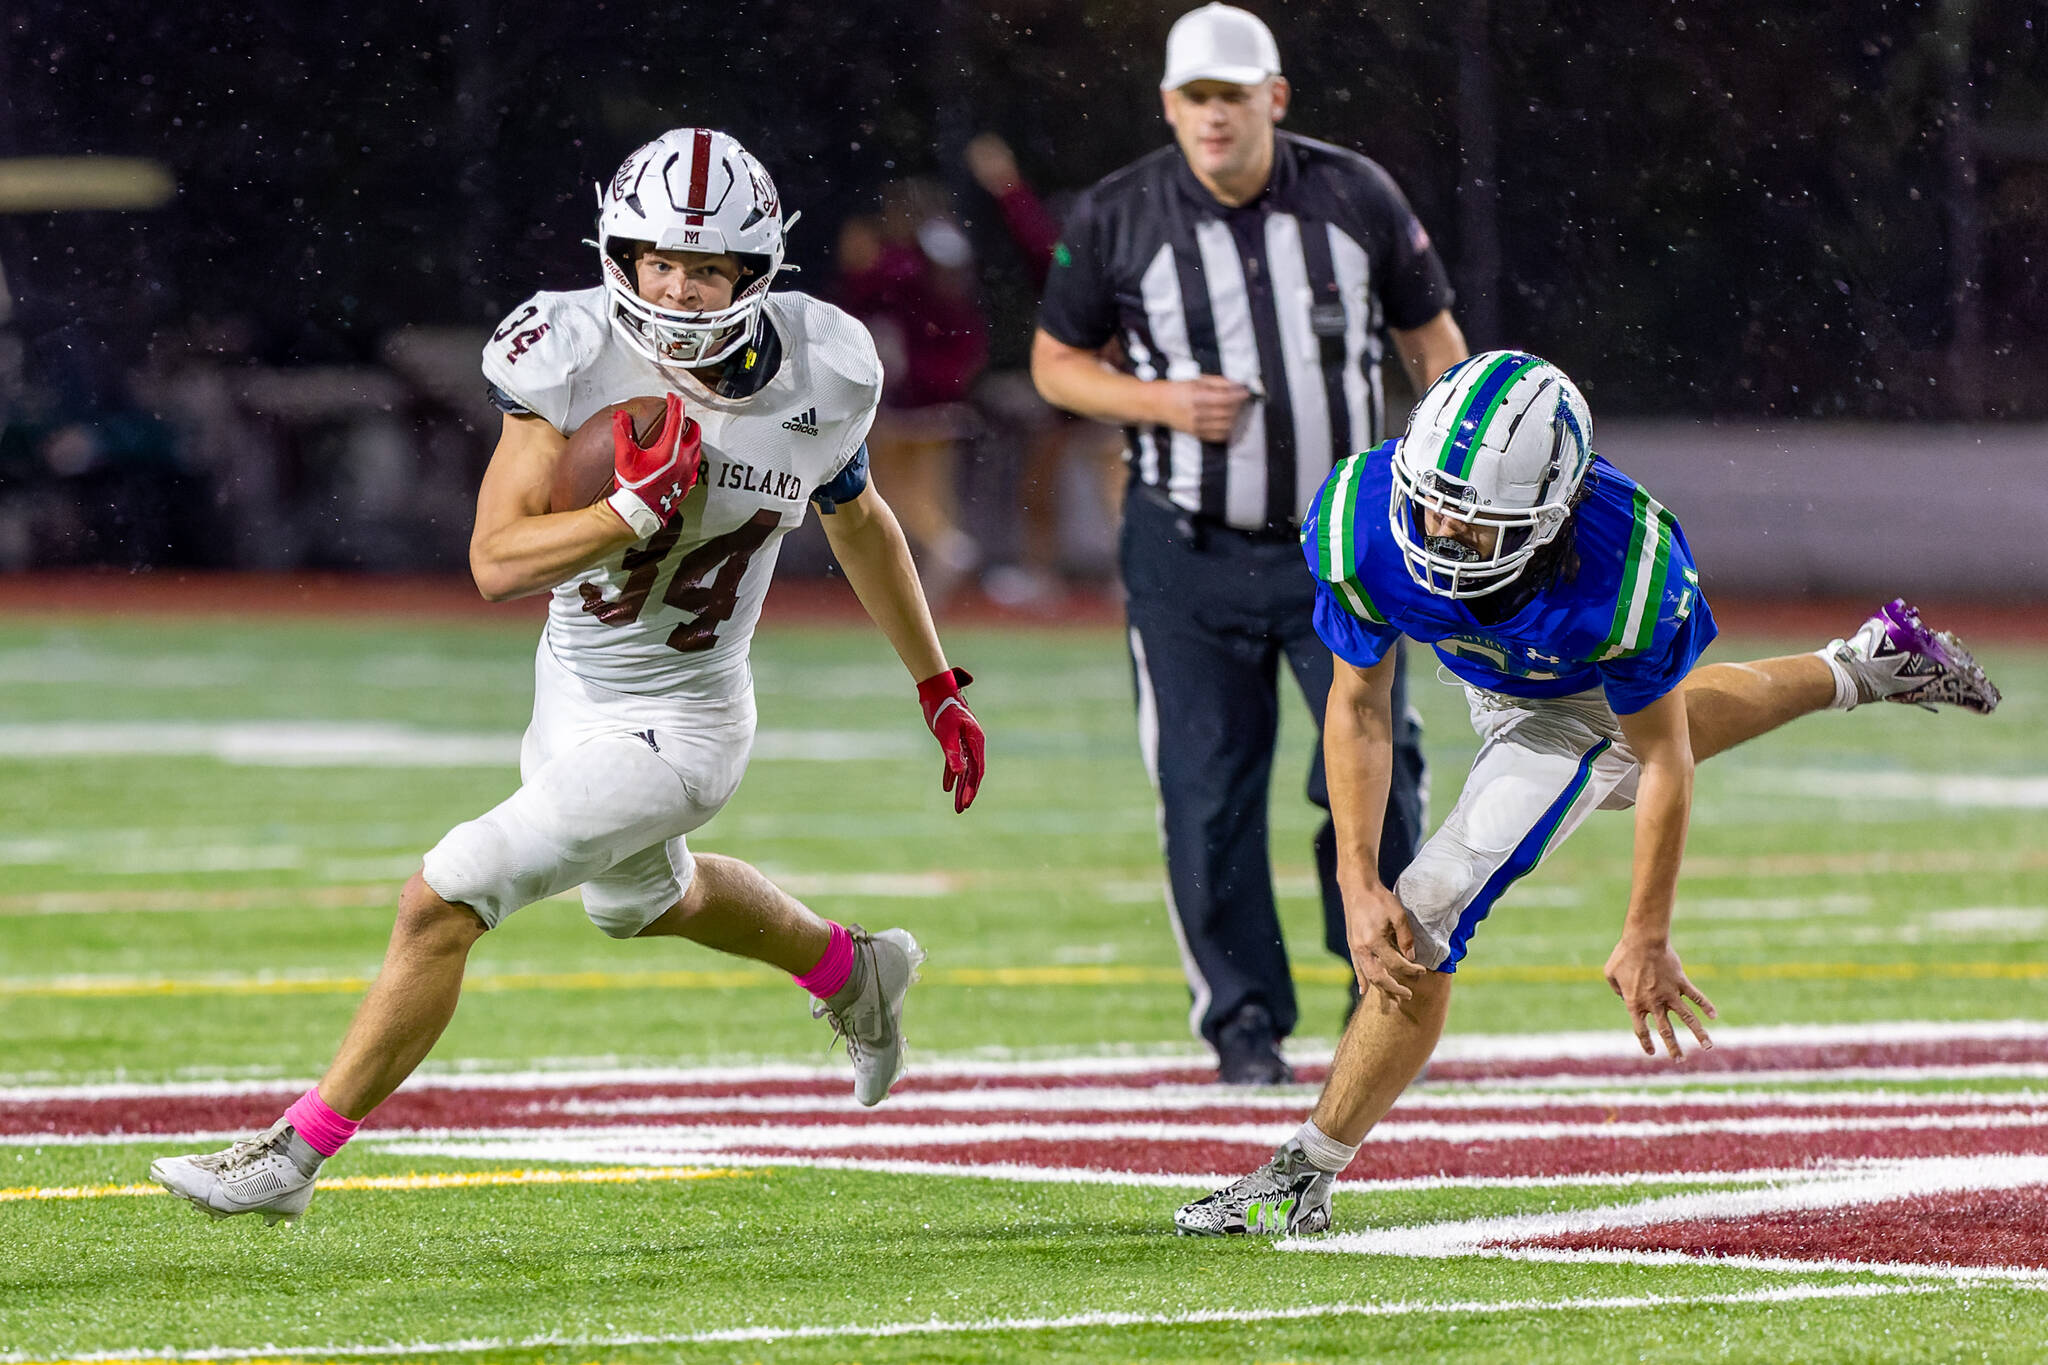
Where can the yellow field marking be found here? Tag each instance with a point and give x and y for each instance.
(1097, 975)
(1315, 973)
(417, 1180)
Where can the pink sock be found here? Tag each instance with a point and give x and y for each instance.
(324, 1130)
(828, 978)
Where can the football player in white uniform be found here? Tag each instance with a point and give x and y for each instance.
(643, 701)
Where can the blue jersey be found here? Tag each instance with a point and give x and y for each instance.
(1631, 620)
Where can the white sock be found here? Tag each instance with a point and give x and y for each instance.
(1845, 686)
(1324, 1152)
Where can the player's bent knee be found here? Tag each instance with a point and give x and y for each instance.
(654, 892)
(1434, 890)
(423, 914)
(485, 865)
(626, 924)
(675, 921)
(1440, 880)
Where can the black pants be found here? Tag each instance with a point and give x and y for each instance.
(1212, 614)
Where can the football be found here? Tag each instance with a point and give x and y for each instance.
(585, 470)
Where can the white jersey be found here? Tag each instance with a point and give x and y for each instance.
(675, 613)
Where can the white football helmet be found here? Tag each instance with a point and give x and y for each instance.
(691, 189)
(1502, 439)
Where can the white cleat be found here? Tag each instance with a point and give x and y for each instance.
(270, 1174)
(1286, 1197)
(872, 1022)
(1895, 656)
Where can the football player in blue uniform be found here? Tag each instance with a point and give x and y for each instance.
(1563, 596)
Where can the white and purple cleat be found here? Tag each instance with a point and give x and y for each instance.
(1895, 657)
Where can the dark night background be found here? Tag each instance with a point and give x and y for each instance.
(1778, 210)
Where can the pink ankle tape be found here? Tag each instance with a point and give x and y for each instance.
(324, 1130)
(828, 978)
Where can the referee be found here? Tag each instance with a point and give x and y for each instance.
(1228, 300)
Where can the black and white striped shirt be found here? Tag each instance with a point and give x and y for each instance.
(1289, 295)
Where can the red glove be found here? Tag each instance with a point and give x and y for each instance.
(958, 733)
(655, 478)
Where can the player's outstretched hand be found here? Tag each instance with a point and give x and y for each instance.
(1382, 945)
(655, 478)
(1652, 984)
(958, 733)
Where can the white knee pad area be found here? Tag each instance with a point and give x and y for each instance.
(493, 866)
(607, 814)
(1435, 889)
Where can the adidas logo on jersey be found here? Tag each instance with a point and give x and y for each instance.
(805, 422)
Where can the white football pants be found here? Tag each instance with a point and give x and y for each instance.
(611, 782)
(1544, 765)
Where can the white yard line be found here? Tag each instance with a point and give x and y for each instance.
(1677, 1078)
(827, 1137)
(834, 1136)
(650, 1148)
(1590, 1044)
(596, 1148)
(325, 744)
(1181, 1099)
(1733, 1087)
(1471, 1047)
(1955, 790)
(2018, 1277)
(1793, 1293)
(1850, 1187)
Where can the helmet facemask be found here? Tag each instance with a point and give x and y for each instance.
(689, 190)
(1501, 441)
(1449, 567)
(670, 337)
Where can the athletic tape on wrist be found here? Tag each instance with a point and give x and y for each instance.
(637, 515)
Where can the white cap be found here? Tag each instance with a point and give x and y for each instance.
(1219, 43)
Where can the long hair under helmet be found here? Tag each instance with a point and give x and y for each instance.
(691, 189)
(1502, 439)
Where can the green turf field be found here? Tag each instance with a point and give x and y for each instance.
(203, 824)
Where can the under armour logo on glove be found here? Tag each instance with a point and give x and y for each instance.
(958, 733)
(655, 478)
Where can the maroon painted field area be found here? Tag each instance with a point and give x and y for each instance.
(1546, 1119)
(2003, 1229)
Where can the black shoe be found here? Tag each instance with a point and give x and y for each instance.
(1248, 1050)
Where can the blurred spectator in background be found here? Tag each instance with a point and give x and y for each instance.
(1032, 227)
(1066, 473)
(87, 474)
(909, 275)
(192, 377)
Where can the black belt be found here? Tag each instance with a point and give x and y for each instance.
(1195, 527)
(1283, 534)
